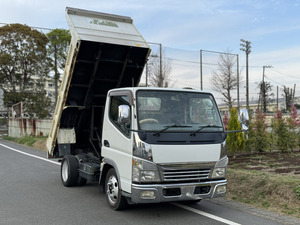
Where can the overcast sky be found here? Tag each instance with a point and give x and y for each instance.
(272, 26)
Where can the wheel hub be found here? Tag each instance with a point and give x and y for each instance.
(112, 189)
(64, 171)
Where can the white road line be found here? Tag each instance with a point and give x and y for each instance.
(205, 214)
(176, 204)
(34, 156)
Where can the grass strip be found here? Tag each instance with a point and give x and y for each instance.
(31, 141)
(274, 192)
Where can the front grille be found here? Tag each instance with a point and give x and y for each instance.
(188, 174)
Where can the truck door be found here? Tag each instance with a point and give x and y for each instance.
(117, 141)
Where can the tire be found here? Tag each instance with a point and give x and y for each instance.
(113, 191)
(69, 171)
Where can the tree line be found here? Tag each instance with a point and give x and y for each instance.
(283, 134)
(224, 81)
(24, 53)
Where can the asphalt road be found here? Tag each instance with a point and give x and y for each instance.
(31, 193)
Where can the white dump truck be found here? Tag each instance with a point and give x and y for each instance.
(141, 144)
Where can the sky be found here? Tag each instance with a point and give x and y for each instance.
(186, 27)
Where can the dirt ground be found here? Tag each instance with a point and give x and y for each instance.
(41, 145)
(274, 162)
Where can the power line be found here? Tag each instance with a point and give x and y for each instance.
(198, 62)
(285, 74)
(273, 80)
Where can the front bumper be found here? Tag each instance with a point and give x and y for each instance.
(154, 193)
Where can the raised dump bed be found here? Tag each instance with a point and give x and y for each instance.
(106, 52)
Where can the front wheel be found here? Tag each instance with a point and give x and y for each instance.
(113, 191)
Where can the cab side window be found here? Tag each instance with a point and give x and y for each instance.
(115, 102)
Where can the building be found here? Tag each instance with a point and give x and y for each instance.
(254, 106)
(48, 85)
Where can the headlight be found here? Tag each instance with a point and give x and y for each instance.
(220, 168)
(219, 173)
(144, 171)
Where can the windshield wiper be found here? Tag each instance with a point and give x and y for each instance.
(203, 127)
(168, 127)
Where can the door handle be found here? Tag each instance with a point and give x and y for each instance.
(106, 143)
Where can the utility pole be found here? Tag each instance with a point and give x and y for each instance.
(147, 74)
(294, 94)
(160, 61)
(246, 47)
(56, 75)
(201, 78)
(277, 98)
(238, 82)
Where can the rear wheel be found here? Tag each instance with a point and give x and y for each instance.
(69, 171)
(113, 191)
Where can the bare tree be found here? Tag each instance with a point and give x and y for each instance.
(160, 69)
(224, 79)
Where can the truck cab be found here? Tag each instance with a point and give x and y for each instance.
(164, 144)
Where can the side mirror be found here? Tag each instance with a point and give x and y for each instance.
(124, 115)
(244, 118)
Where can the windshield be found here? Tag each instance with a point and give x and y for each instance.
(172, 111)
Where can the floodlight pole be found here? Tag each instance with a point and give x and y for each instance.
(201, 78)
(247, 49)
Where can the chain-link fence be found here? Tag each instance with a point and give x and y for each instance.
(189, 69)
